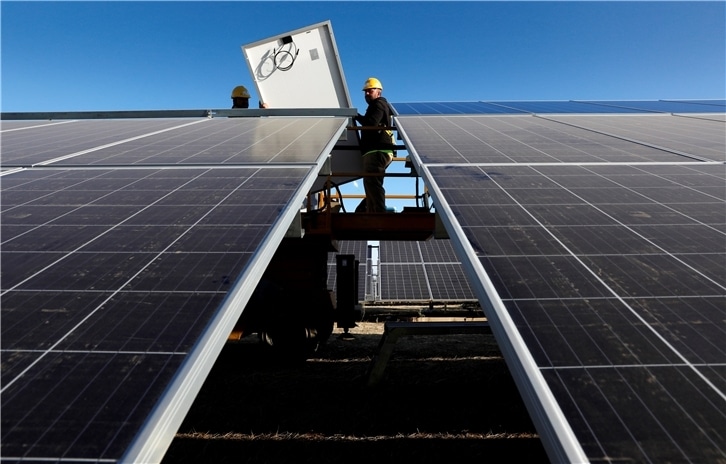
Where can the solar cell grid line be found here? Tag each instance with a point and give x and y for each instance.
(559, 107)
(553, 107)
(490, 139)
(52, 143)
(429, 251)
(441, 270)
(561, 352)
(428, 282)
(219, 141)
(227, 141)
(438, 251)
(400, 252)
(128, 213)
(448, 282)
(703, 277)
(477, 107)
(660, 106)
(43, 287)
(446, 277)
(119, 281)
(648, 195)
(715, 104)
(404, 282)
(412, 279)
(706, 116)
(13, 126)
(702, 139)
(359, 248)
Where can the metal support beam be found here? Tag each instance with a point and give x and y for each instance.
(193, 113)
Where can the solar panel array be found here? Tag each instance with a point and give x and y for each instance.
(129, 249)
(410, 271)
(708, 107)
(593, 234)
(596, 245)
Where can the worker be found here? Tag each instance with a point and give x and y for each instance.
(241, 98)
(377, 146)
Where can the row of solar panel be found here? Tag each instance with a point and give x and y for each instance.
(603, 235)
(569, 106)
(596, 245)
(168, 142)
(129, 249)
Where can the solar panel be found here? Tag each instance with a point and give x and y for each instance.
(218, 141)
(562, 107)
(710, 116)
(419, 271)
(560, 140)
(451, 108)
(666, 106)
(597, 251)
(685, 136)
(125, 265)
(43, 141)
(448, 282)
(400, 252)
(437, 251)
(540, 107)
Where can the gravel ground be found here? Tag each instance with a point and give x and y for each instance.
(442, 399)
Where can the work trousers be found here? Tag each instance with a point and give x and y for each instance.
(375, 162)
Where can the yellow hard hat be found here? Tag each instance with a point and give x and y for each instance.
(240, 92)
(372, 83)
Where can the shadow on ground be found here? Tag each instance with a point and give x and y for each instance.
(443, 399)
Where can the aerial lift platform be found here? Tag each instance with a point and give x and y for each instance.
(292, 307)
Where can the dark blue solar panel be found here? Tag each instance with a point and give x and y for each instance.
(557, 107)
(118, 282)
(451, 108)
(610, 273)
(488, 139)
(564, 106)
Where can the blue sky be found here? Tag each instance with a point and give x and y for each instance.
(67, 56)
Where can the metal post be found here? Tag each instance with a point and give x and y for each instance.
(373, 281)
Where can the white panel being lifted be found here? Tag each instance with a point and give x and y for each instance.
(283, 66)
(302, 69)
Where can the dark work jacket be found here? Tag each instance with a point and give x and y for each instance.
(378, 114)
